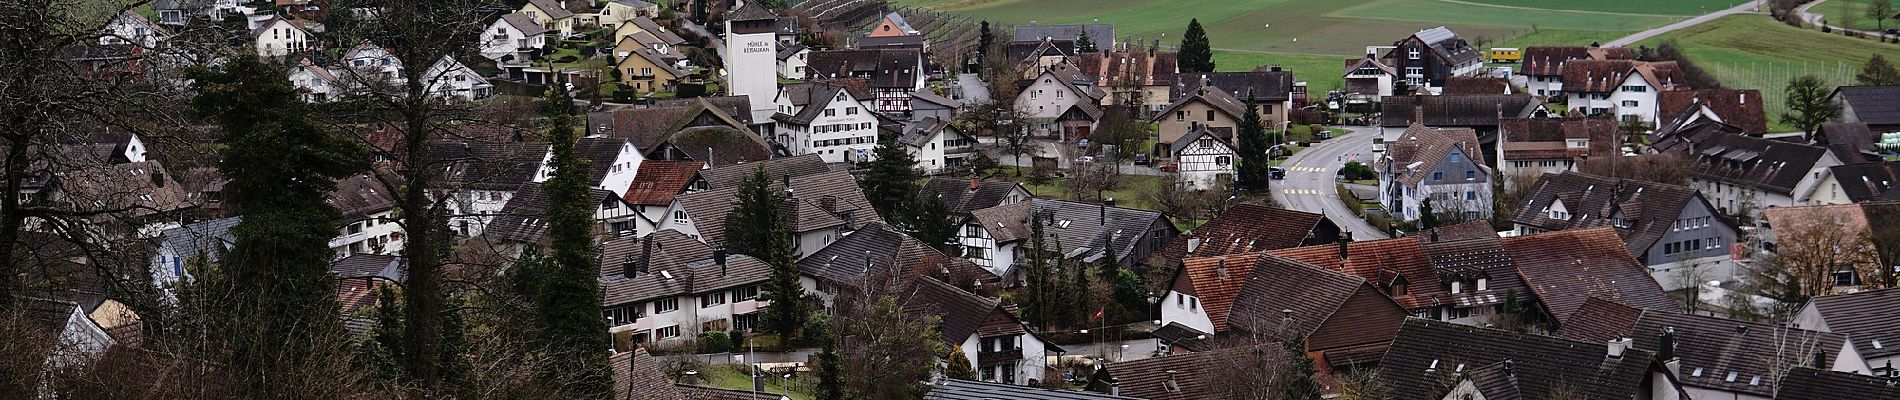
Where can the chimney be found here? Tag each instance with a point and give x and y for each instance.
(786, 181)
(1193, 244)
(1343, 241)
(975, 183)
(1820, 359)
(158, 178)
(1617, 347)
(1667, 350)
(719, 257)
(1171, 383)
(1106, 203)
(1741, 330)
(690, 377)
(1114, 387)
(758, 385)
(1220, 268)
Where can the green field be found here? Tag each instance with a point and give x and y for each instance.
(1851, 14)
(1322, 73)
(1652, 7)
(1755, 52)
(1333, 27)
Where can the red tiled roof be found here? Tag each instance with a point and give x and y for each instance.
(1383, 262)
(1740, 108)
(1217, 280)
(1599, 321)
(1566, 268)
(1247, 228)
(658, 181)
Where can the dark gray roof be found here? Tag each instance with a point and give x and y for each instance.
(369, 265)
(1648, 208)
(751, 10)
(1865, 317)
(489, 166)
(1261, 85)
(703, 275)
(958, 389)
(603, 152)
(878, 246)
(553, 8)
(963, 196)
(1712, 348)
(1101, 34)
(1429, 352)
(1769, 165)
(790, 50)
(820, 201)
(1077, 228)
(524, 23)
(1874, 105)
(1809, 383)
(212, 238)
(887, 67)
(652, 27)
(731, 175)
(917, 134)
(525, 218)
(1456, 110)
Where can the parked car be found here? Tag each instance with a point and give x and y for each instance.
(1085, 159)
(1276, 173)
(1141, 159)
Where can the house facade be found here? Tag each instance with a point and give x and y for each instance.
(1530, 147)
(551, 14)
(1625, 89)
(617, 12)
(1426, 58)
(514, 39)
(937, 145)
(827, 120)
(278, 37)
(1204, 159)
(1668, 228)
(1055, 91)
(648, 71)
(667, 288)
(1543, 70)
(996, 238)
(1443, 166)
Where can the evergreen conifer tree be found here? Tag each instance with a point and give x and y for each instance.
(1255, 161)
(1195, 54)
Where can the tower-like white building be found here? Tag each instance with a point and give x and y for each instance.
(752, 58)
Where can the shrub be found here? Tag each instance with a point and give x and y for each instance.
(1354, 170)
(714, 342)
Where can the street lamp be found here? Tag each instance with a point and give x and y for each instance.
(1153, 302)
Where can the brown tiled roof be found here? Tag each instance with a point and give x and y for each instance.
(1857, 135)
(1383, 262)
(489, 166)
(1550, 60)
(648, 127)
(1428, 147)
(663, 250)
(1741, 108)
(1715, 353)
(1216, 281)
(1456, 232)
(358, 293)
(358, 197)
(1866, 317)
(1142, 68)
(658, 181)
(638, 375)
(124, 191)
(1594, 201)
(1187, 376)
(1356, 312)
(1209, 95)
(1082, 229)
(369, 265)
(1006, 223)
(963, 313)
(1810, 383)
(1455, 110)
(1463, 85)
(718, 145)
(964, 196)
(1428, 353)
(730, 176)
(1565, 268)
(1468, 260)
(887, 67)
(820, 201)
(1248, 228)
(1596, 75)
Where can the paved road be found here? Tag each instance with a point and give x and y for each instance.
(1818, 19)
(1744, 8)
(718, 45)
(1309, 185)
(973, 89)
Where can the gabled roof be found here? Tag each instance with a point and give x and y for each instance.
(370, 266)
(1264, 86)
(1546, 138)
(1187, 376)
(689, 277)
(917, 134)
(1245, 228)
(958, 389)
(1856, 135)
(880, 247)
(1078, 229)
(1427, 353)
(1712, 348)
(718, 145)
(887, 67)
(1468, 85)
(826, 200)
(359, 196)
(653, 27)
(1354, 64)
(1216, 281)
(1868, 181)
(810, 99)
(1769, 165)
(964, 196)
(730, 176)
(123, 191)
(638, 374)
(635, 3)
(489, 166)
(657, 59)
(525, 218)
(524, 23)
(1144, 68)
(1741, 108)
(1420, 149)
(1565, 268)
(1866, 317)
(648, 127)
(1467, 261)
(210, 238)
(1809, 383)
(1599, 76)
(933, 98)
(713, 393)
(1456, 110)
(1222, 136)
(1550, 60)
(790, 50)
(1314, 296)
(1873, 105)
(552, 8)
(1384, 263)
(1026, 53)
(751, 11)
(1599, 321)
(657, 181)
(603, 152)
(1446, 45)
(962, 312)
(898, 20)
(1649, 209)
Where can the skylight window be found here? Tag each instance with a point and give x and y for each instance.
(1696, 373)
(1756, 381)
(1731, 377)
(1877, 344)
(1433, 367)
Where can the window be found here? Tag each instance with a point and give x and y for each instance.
(1058, 94)
(831, 113)
(1223, 161)
(1194, 303)
(745, 293)
(850, 111)
(1457, 287)
(667, 305)
(679, 217)
(1635, 88)
(1471, 174)
(1180, 116)
(1414, 71)
(1482, 284)
(1471, 195)
(1438, 176)
(668, 332)
(1629, 103)
(1210, 115)
(1204, 142)
(712, 299)
(1411, 53)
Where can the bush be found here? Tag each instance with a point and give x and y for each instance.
(714, 342)
(567, 59)
(1354, 171)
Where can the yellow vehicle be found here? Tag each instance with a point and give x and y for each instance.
(1506, 55)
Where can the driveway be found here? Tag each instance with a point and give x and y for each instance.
(1752, 7)
(1309, 185)
(974, 91)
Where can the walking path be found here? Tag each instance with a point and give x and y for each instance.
(1752, 7)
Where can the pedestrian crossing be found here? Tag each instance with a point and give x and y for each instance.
(1299, 191)
(1306, 169)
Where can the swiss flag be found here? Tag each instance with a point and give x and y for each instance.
(1098, 313)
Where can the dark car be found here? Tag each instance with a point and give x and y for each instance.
(1141, 159)
(1276, 173)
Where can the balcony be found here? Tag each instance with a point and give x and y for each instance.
(983, 358)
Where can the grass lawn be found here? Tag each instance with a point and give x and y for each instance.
(1755, 52)
(1321, 73)
(725, 377)
(1852, 14)
(1129, 194)
(1667, 7)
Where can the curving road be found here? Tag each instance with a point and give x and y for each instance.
(1626, 41)
(1309, 185)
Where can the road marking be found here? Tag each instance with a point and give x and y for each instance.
(1299, 191)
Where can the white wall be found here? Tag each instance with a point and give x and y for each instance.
(1185, 309)
(1045, 98)
(1645, 106)
(281, 38)
(752, 69)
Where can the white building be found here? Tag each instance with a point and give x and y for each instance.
(824, 119)
(999, 347)
(1204, 159)
(615, 161)
(513, 39)
(829, 206)
(1623, 88)
(667, 287)
(451, 80)
(369, 224)
(751, 51)
(131, 28)
(1443, 165)
(315, 83)
(277, 37)
(792, 61)
(617, 12)
(1053, 92)
(937, 145)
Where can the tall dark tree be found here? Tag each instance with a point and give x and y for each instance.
(1037, 310)
(764, 232)
(1195, 55)
(930, 222)
(1809, 105)
(1878, 72)
(568, 301)
(1084, 43)
(891, 181)
(830, 374)
(1427, 215)
(983, 39)
(281, 168)
(1255, 162)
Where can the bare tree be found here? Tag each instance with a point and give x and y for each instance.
(1813, 244)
